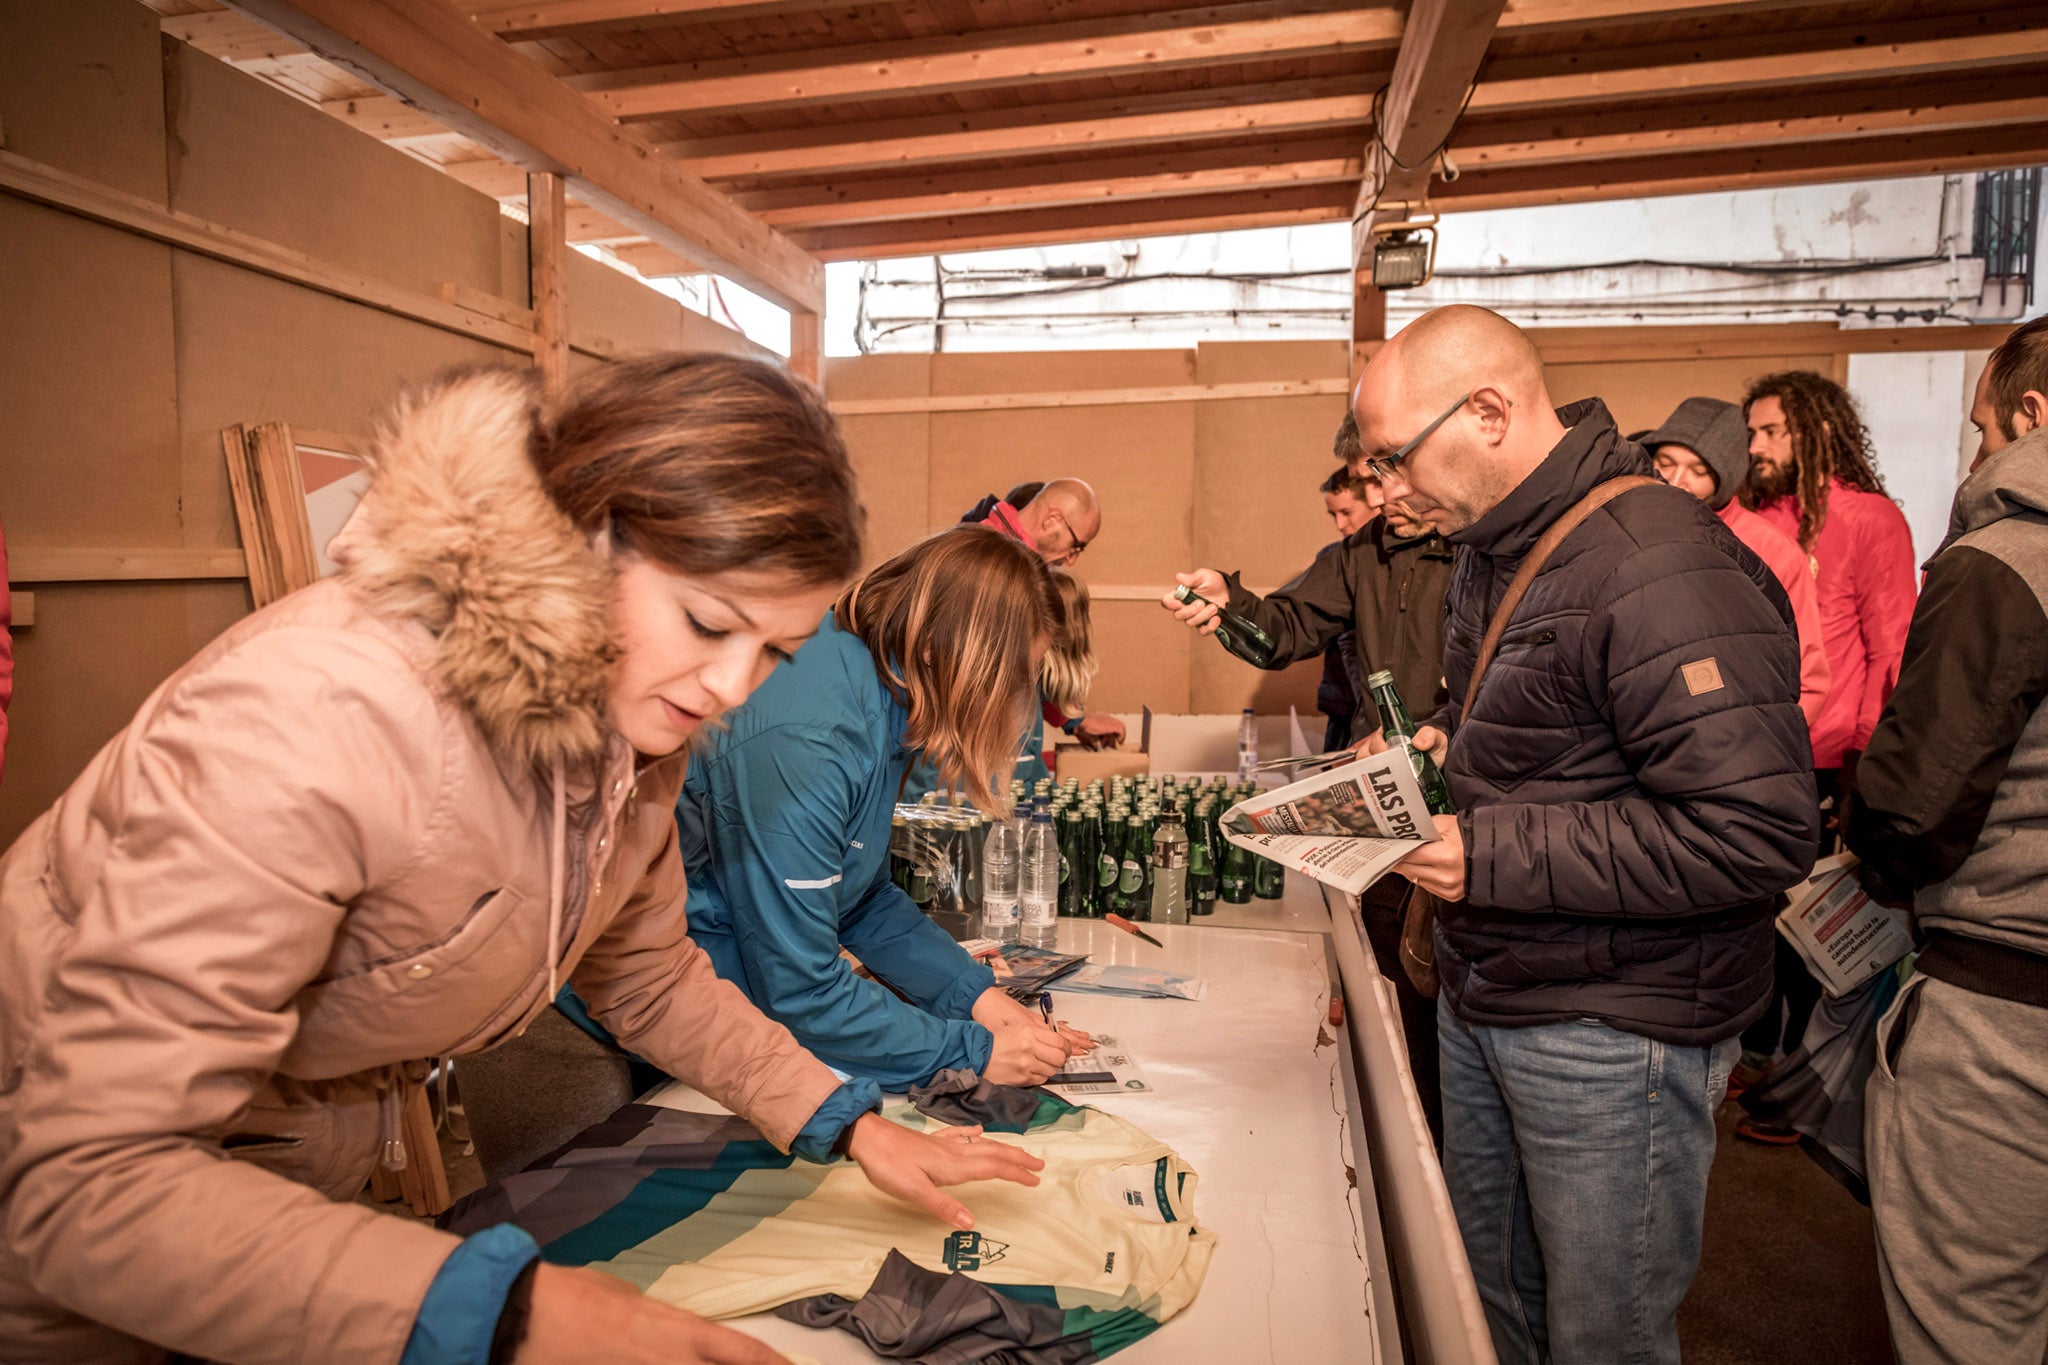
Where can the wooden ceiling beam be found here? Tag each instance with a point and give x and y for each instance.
(1313, 161)
(529, 19)
(998, 57)
(1441, 49)
(1089, 223)
(1690, 125)
(1799, 163)
(656, 261)
(1079, 126)
(1736, 65)
(431, 54)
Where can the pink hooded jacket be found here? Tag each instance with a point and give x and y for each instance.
(368, 825)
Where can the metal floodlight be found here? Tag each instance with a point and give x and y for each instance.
(1403, 255)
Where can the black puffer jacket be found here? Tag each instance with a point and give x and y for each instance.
(1634, 780)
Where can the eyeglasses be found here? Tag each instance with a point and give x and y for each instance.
(1383, 465)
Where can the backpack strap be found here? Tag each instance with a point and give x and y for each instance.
(1532, 564)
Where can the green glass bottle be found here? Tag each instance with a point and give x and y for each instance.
(1201, 863)
(1108, 868)
(1400, 729)
(1269, 879)
(1136, 857)
(1234, 878)
(1235, 633)
(1069, 837)
(1087, 853)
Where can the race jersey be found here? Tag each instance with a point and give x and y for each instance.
(699, 1212)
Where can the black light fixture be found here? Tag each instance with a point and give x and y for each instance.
(1403, 255)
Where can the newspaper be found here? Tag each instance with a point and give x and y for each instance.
(1844, 935)
(1344, 827)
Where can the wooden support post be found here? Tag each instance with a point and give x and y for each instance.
(1368, 318)
(807, 347)
(547, 247)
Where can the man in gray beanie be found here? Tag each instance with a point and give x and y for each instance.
(1703, 449)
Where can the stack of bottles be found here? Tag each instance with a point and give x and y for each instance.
(1099, 849)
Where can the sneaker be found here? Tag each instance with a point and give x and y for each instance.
(1769, 1132)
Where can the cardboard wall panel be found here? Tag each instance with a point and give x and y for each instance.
(248, 156)
(81, 89)
(1642, 393)
(88, 402)
(608, 305)
(1144, 655)
(891, 456)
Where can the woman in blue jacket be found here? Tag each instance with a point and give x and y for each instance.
(785, 814)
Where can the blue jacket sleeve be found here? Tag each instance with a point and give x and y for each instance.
(460, 1312)
(816, 1140)
(780, 805)
(897, 942)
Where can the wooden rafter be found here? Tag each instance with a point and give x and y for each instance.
(1302, 162)
(1040, 53)
(430, 53)
(1692, 70)
(1087, 223)
(1794, 163)
(520, 19)
(1692, 125)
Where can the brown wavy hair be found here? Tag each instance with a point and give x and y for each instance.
(1829, 441)
(704, 464)
(952, 623)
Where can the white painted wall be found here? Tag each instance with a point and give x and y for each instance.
(1914, 406)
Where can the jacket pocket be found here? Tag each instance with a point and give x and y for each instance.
(435, 999)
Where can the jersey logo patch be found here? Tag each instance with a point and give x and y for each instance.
(971, 1250)
(1701, 676)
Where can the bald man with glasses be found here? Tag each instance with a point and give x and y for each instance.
(1633, 787)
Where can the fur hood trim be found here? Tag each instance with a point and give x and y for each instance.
(457, 533)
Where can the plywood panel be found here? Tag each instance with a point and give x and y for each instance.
(87, 403)
(610, 306)
(702, 334)
(252, 349)
(72, 692)
(81, 88)
(1144, 656)
(1643, 393)
(892, 459)
(1138, 458)
(249, 156)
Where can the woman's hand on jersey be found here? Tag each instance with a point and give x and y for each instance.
(584, 1316)
(913, 1166)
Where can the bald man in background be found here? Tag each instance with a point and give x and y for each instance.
(1633, 784)
(1059, 520)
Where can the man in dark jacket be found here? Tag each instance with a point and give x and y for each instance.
(1634, 786)
(1951, 816)
(1341, 693)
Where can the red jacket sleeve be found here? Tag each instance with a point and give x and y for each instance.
(1885, 593)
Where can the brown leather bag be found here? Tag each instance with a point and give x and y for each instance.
(1418, 916)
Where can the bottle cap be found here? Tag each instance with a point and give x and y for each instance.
(1380, 678)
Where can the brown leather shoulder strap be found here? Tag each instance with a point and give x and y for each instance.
(1532, 564)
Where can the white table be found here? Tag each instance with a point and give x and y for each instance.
(1253, 1088)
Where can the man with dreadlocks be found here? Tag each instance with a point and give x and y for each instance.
(1812, 477)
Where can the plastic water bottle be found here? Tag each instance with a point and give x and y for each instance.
(999, 860)
(1247, 746)
(1041, 890)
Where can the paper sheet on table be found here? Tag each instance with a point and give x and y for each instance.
(1343, 827)
(1149, 983)
(1108, 1070)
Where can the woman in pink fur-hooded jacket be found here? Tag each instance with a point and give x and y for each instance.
(384, 820)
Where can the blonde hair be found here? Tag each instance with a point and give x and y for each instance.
(1070, 665)
(952, 623)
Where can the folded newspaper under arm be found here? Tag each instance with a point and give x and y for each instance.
(1344, 827)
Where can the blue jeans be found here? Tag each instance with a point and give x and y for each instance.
(1577, 1157)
